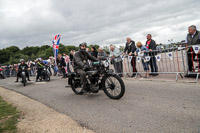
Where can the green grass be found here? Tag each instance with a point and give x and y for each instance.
(8, 117)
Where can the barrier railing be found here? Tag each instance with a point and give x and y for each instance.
(193, 59)
(180, 61)
(169, 61)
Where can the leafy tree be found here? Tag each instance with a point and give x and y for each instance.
(29, 50)
(41, 54)
(62, 49)
(4, 56)
(33, 57)
(69, 48)
(44, 47)
(106, 48)
(96, 46)
(49, 52)
(13, 49)
(121, 48)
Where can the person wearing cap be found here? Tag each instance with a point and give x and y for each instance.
(116, 60)
(193, 38)
(81, 65)
(22, 64)
(101, 53)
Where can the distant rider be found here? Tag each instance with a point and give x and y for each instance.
(40, 66)
(25, 66)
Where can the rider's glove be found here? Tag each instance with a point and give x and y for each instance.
(85, 67)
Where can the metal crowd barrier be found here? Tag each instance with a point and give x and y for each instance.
(193, 59)
(169, 61)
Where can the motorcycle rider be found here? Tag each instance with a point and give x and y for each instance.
(81, 64)
(40, 66)
(22, 64)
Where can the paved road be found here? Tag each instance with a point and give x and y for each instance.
(146, 106)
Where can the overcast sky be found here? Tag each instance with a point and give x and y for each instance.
(36, 22)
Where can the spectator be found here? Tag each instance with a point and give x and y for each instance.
(67, 61)
(39, 67)
(140, 51)
(71, 55)
(116, 60)
(88, 50)
(94, 52)
(151, 45)
(61, 64)
(52, 65)
(101, 53)
(193, 38)
(130, 48)
(32, 70)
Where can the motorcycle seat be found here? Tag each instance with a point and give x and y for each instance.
(91, 72)
(72, 74)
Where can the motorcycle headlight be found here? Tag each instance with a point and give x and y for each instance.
(106, 64)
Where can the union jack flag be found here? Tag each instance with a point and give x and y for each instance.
(55, 42)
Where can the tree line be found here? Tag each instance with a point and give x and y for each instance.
(12, 54)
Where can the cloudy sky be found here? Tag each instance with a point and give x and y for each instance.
(36, 22)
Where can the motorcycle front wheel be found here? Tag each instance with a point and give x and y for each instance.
(2, 76)
(114, 87)
(24, 80)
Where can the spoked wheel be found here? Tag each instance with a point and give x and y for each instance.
(76, 88)
(114, 87)
(24, 80)
(47, 77)
(2, 76)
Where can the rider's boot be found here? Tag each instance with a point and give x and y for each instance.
(16, 80)
(29, 79)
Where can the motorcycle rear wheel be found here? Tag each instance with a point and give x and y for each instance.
(77, 89)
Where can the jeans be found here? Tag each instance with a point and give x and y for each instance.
(145, 65)
(153, 64)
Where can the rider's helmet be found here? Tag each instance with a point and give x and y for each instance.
(83, 50)
(39, 59)
(22, 60)
(82, 44)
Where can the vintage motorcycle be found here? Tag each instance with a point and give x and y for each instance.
(100, 77)
(1, 74)
(23, 76)
(45, 75)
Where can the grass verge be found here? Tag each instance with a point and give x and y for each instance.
(8, 117)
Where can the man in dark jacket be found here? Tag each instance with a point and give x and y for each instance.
(71, 55)
(40, 66)
(151, 45)
(61, 64)
(130, 48)
(94, 52)
(25, 68)
(193, 38)
(81, 63)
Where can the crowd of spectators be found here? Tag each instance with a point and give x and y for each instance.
(131, 50)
